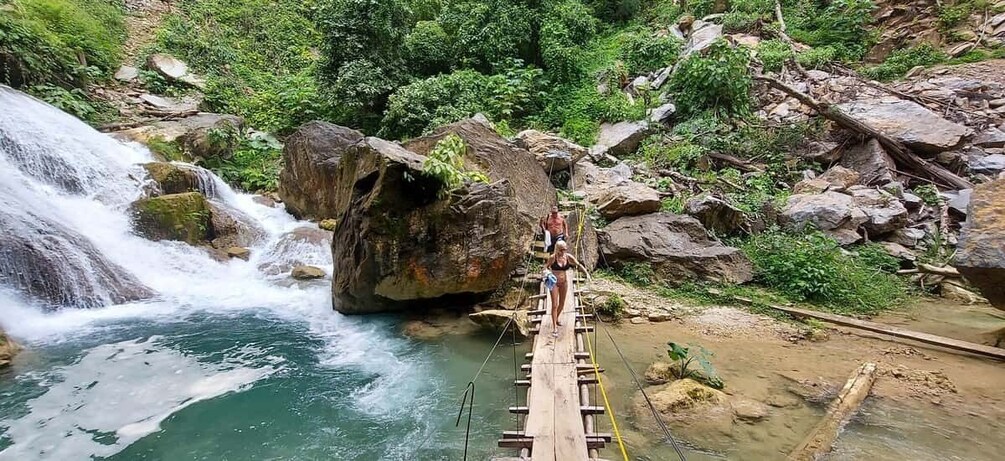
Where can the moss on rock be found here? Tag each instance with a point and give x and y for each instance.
(184, 217)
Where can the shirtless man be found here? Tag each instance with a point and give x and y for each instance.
(555, 224)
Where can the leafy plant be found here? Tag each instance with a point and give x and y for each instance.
(256, 162)
(840, 25)
(644, 51)
(73, 101)
(638, 273)
(719, 82)
(901, 61)
(928, 194)
(613, 306)
(773, 54)
(445, 163)
(683, 357)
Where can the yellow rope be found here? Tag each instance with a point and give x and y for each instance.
(607, 403)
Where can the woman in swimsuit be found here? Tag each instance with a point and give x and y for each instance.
(558, 264)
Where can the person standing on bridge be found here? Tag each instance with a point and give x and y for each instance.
(555, 229)
(556, 268)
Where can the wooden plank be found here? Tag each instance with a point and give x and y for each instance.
(949, 343)
(841, 409)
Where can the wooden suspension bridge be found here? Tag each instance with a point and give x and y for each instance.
(559, 423)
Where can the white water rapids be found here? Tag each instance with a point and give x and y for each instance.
(56, 169)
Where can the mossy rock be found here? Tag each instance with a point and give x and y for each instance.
(173, 179)
(184, 217)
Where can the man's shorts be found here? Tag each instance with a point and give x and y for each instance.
(554, 240)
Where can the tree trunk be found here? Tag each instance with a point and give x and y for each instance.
(819, 441)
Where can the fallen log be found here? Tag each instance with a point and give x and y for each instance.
(820, 439)
(895, 148)
(949, 343)
(948, 271)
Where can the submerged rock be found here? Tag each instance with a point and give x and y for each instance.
(231, 227)
(676, 246)
(302, 246)
(981, 251)
(177, 178)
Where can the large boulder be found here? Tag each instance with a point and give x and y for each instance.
(702, 36)
(628, 198)
(871, 161)
(177, 178)
(619, 139)
(500, 159)
(827, 211)
(980, 253)
(716, 214)
(676, 246)
(307, 183)
(884, 213)
(231, 227)
(552, 152)
(57, 267)
(185, 217)
(7, 349)
(908, 122)
(399, 244)
(173, 69)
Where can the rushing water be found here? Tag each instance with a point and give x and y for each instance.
(225, 361)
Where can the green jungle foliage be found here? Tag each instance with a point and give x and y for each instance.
(901, 61)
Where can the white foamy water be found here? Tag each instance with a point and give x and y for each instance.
(56, 168)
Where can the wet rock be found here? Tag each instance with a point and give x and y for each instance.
(184, 217)
(619, 139)
(191, 134)
(659, 373)
(716, 214)
(238, 252)
(687, 403)
(871, 161)
(307, 182)
(300, 247)
(264, 200)
(307, 273)
(8, 348)
(628, 198)
(230, 227)
(884, 213)
(750, 411)
(496, 320)
(552, 152)
(328, 224)
(908, 122)
(178, 178)
(658, 316)
(676, 246)
(980, 253)
(50, 263)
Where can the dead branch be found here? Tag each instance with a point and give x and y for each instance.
(740, 164)
(895, 148)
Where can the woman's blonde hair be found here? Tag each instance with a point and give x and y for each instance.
(561, 245)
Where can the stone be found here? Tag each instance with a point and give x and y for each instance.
(177, 178)
(898, 251)
(992, 137)
(658, 316)
(637, 320)
(907, 236)
(328, 224)
(619, 139)
(496, 320)
(659, 373)
(958, 201)
(912, 202)
(844, 236)
(677, 247)
(908, 122)
(688, 403)
(988, 164)
(184, 217)
(212, 135)
(499, 159)
(826, 211)
(403, 245)
(307, 273)
(168, 104)
(662, 114)
(811, 186)
(231, 227)
(749, 411)
(238, 252)
(871, 161)
(884, 213)
(980, 256)
(702, 36)
(663, 74)
(628, 198)
(126, 73)
(307, 182)
(552, 152)
(8, 348)
(168, 66)
(840, 178)
(716, 214)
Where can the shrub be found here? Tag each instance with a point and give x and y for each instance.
(424, 104)
(901, 61)
(487, 32)
(773, 54)
(565, 27)
(644, 51)
(613, 306)
(255, 165)
(40, 41)
(638, 273)
(812, 267)
(841, 24)
(719, 82)
(428, 48)
(817, 57)
(445, 163)
(951, 16)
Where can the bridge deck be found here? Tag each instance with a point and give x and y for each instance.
(555, 422)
